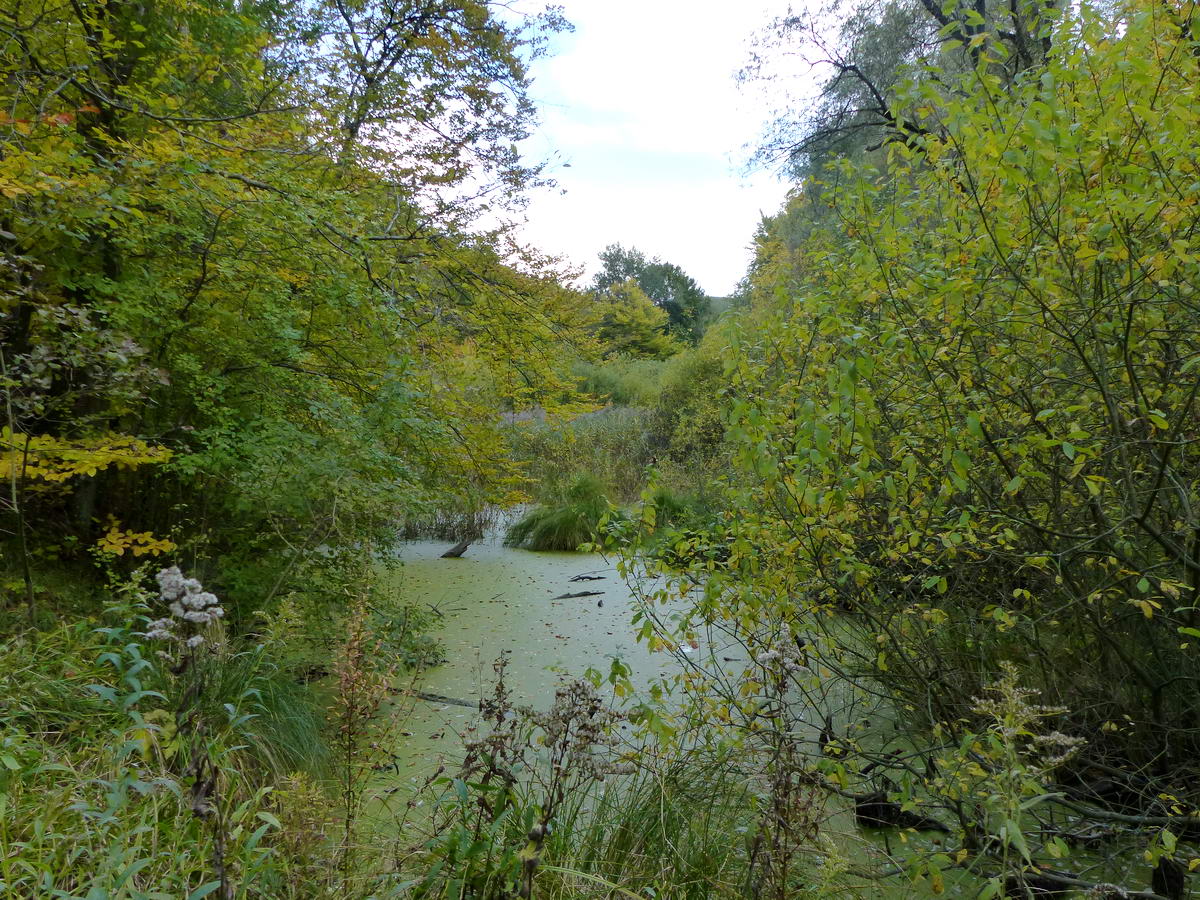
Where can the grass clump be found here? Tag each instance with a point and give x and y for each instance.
(622, 382)
(676, 827)
(566, 522)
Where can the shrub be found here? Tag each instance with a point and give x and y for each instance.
(563, 525)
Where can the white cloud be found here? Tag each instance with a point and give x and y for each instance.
(642, 102)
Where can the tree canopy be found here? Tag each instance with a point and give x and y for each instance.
(667, 285)
(242, 232)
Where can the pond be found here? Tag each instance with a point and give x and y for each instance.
(497, 600)
(494, 600)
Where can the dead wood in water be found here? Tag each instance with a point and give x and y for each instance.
(436, 698)
(458, 549)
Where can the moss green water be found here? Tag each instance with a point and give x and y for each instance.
(496, 600)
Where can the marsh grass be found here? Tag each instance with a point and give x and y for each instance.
(676, 829)
(281, 721)
(622, 382)
(613, 445)
(567, 522)
(451, 524)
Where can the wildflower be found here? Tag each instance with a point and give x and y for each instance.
(170, 583)
(159, 630)
(199, 600)
(189, 604)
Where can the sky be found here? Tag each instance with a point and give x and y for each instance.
(646, 132)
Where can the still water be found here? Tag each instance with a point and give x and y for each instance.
(495, 600)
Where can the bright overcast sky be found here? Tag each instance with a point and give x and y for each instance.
(646, 129)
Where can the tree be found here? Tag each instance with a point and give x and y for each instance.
(882, 46)
(962, 425)
(211, 245)
(628, 323)
(667, 285)
(443, 79)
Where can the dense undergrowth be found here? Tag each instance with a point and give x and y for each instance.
(918, 515)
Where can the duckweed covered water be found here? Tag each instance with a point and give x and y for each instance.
(496, 600)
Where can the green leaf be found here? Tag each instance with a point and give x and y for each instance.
(961, 463)
(204, 890)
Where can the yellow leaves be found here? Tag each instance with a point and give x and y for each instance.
(51, 459)
(116, 541)
(159, 731)
(936, 882)
(1146, 606)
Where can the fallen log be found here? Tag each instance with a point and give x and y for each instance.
(458, 549)
(435, 698)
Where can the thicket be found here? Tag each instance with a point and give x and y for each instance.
(961, 415)
(234, 317)
(250, 321)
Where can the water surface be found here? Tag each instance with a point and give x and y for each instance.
(498, 599)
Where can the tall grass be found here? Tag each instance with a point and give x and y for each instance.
(450, 524)
(564, 523)
(622, 382)
(281, 721)
(677, 831)
(96, 784)
(614, 445)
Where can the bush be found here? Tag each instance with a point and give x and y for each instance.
(573, 520)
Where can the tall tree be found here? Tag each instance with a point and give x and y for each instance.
(666, 284)
(212, 241)
(880, 49)
(628, 323)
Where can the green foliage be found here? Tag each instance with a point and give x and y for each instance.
(282, 733)
(667, 285)
(613, 445)
(958, 420)
(990, 381)
(621, 382)
(628, 324)
(211, 242)
(675, 827)
(689, 417)
(564, 522)
(869, 54)
(93, 776)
